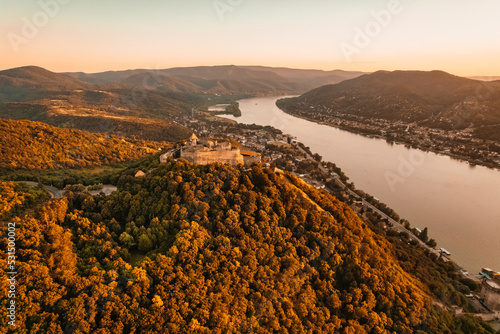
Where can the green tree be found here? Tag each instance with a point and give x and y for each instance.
(127, 240)
(145, 243)
(424, 235)
(431, 243)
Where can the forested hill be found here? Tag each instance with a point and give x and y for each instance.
(33, 93)
(434, 99)
(35, 145)
(211, 249)
(146, 104)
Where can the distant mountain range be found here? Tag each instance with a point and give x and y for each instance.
(434, 99)
(222, 80)
(82, 100)
(31, 82)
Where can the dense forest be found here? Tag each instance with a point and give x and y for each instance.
(208, 249)
(35, 145)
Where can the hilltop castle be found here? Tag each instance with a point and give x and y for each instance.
(203, 152)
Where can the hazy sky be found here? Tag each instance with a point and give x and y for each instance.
(458, 36)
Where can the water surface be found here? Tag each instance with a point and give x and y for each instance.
(459, 204)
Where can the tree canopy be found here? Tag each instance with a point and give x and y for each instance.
(212, 249)
(35, 145)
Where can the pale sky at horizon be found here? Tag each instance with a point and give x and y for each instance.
(458, 36)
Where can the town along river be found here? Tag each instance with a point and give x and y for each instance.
(459, 204)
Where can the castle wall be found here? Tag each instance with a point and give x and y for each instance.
(248, 159)
(210, 151)
(206, 157)
(490, 293)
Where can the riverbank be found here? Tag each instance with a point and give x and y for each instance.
(381, 133)
(394, 230)
(446, 195)
(461, 145)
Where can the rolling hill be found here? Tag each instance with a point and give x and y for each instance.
(148, 104)
(198, 249)
(106, 121)
(310, 78)
(434, 99)
(35, 145)
(33, 93)
(213, 249)
(32, 82)
(223, 80)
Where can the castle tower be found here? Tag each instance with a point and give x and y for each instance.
(193, 140)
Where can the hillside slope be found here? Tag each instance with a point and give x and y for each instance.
(80, 100)
(34, 145)
(310, 78)
(202, 249)
(224, 80)
(433, 98)
(147, 104)
(31, 82)
(33, 93)
(432, 111)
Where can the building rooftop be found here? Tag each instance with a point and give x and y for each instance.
(249, 153)
(493, 285)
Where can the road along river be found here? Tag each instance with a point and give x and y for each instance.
(459, 204)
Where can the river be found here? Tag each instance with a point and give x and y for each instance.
(458, 203)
